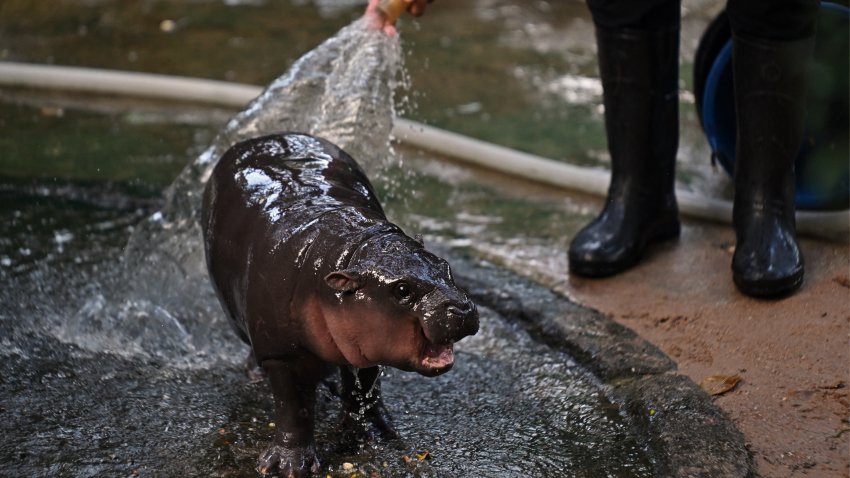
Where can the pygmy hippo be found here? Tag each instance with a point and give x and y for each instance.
(313, 275)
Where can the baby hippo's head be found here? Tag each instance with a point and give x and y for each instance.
(399, 306)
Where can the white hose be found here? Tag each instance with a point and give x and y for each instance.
(93, 80)
(825, 224)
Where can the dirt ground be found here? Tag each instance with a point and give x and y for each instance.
(792, 355)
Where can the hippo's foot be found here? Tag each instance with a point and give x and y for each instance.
(368, 423)
(288, 462)
(253, 370)
(364, 416)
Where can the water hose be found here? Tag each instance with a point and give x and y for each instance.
(834, 225)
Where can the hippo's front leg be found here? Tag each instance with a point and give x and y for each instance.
(293, 452)
(364, 413)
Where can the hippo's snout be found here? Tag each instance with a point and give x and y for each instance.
(448, 320)
(442, 327)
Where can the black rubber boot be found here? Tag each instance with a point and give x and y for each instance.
(639, 71)
(770, 84)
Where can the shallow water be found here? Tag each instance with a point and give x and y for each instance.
(107, 300)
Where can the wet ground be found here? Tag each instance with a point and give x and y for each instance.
(792, 356)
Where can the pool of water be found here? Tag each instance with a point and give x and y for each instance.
(111, 372)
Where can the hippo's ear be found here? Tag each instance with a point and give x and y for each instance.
(344, 281)
(419, 239)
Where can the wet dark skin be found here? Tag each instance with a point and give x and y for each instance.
(314, 277)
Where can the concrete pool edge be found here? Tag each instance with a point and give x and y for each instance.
(684, 432)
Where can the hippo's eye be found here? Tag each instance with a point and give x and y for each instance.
(402, 292)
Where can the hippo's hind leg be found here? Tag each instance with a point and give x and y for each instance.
(363, 412)
(293, 451)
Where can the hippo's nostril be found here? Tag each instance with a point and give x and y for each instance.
(459, 321)
(456, 311)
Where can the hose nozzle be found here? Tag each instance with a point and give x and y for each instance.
(392, 9)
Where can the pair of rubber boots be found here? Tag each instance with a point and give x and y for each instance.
(639, 71)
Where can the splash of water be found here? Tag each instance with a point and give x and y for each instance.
(162, 303)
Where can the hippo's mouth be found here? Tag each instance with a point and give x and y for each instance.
(436, 359)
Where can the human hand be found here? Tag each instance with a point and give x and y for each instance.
(383, 13)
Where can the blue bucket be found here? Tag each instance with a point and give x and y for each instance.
(823, 163)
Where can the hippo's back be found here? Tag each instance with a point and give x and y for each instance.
(291, 173)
